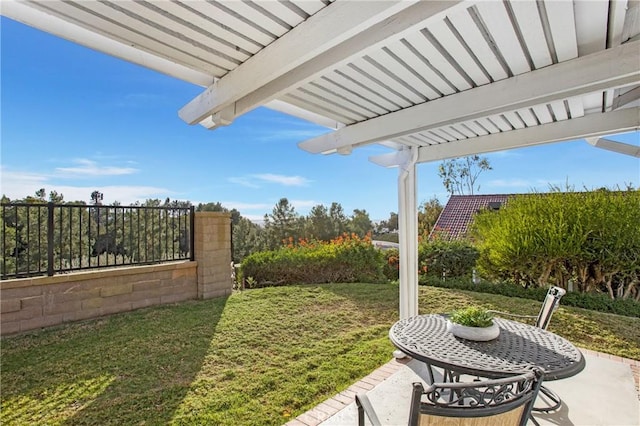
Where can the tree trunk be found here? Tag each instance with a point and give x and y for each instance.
(610, 290)
(546, 272)
(581, 273)
(632, 285)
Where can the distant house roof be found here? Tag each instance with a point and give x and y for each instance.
(456, 216)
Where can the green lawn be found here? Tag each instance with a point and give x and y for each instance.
(259, 357)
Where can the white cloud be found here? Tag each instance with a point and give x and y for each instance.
(303, 204)
(255, 218)
(244, 181)
(91, 168)
(20, 184)
(17, 185)
(126, 194)
(255, 181)
(245, 206)
(283, 180)
(255, 211)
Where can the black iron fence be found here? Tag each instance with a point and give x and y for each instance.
(44, 239)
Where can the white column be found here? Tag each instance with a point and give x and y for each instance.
(408, 236)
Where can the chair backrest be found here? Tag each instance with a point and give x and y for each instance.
(497, 402)
(550, 304)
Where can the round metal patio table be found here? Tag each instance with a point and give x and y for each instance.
(519, 348)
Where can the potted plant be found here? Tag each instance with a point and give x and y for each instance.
(473, 323)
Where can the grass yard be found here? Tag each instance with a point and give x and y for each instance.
(260, 357)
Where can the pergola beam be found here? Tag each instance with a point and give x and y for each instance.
(619, 147)
(301, 44)
(626, 98)
(331, 36)
(594, 125)
(616, 67)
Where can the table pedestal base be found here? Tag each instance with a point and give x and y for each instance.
(398, 354)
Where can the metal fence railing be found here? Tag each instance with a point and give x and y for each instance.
(48, 238)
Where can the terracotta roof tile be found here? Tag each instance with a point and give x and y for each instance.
(458, 213)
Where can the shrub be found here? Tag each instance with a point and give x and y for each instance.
(391, 267)
(438, 258)
(591, 238)
(347, 258)
(435, 259)
(593, 301)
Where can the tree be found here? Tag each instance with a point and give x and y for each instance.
(281, 224)
(56, 197)
(318, 224)
(428, 215)
(360, 223)
(211, 207)
(246, 238)
(389, 225)
(459, 176)
(97, 197)
(41, 193)
(338, 219)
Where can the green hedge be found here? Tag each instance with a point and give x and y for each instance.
(439, 258)
(350, 259)
(591, 238)
(593, 301)
(453, 259)
(345, 259)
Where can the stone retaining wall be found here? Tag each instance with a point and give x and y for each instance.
(32, 303)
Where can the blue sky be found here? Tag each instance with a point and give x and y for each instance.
(75, 120)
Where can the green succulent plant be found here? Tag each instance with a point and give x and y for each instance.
(472, 316)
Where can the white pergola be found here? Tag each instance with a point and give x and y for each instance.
(429, 80)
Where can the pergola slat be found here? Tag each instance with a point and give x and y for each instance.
(498, 25)
(419, 65)
(217, 12)
(439, 63)
(530, 26)
(443, 34)
(563, 30)
(474, 38)
(361, 90)
(390, 60)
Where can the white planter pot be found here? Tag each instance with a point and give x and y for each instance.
(480, 334)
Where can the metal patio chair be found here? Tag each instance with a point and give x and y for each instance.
(549, 306)
(496, 402)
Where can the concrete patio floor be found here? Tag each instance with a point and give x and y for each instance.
(606, 392)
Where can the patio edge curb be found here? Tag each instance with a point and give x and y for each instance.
(331, 406)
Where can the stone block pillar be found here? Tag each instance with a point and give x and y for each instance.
(212, 248)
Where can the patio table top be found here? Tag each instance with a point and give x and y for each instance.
(519, 348)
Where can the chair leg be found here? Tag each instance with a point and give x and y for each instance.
(365, 408)
(556, 402)
(533, 420)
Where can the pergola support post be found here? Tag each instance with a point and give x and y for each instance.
(408, 236)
